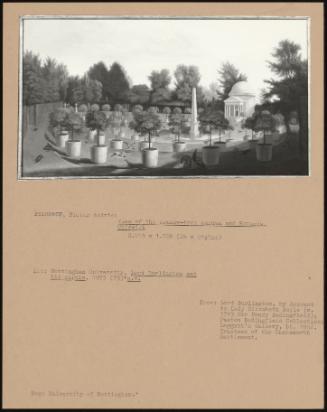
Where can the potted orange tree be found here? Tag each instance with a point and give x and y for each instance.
(75, 124)
(166, 110)
(176, 123)
(293, 122)
(265, 123)
(58, 124)
(106, 110)
(249, 124)
(210, 120)
(98, 121)
(82, 110)
(147, 123)
(117, 121)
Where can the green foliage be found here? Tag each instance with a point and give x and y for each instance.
(82, 108)
(145, 123)
(188, 110)
(96, 120)
(58, 118)
(83, 90)
(291, 83)
(160, 79)
(211, 119)
(250, 122)
(106, 107)
(118, 108)
(43, 82)
(177, 124)
(117, 83)
(265, 122)
(140, 93)
(99, 72)
(166, 110)
(95, 107)
(187, 77)
(137, 108)
(160, 95)
(177, 110)
(287, 59)
(74, 123)
(153, 109)
(228, 76)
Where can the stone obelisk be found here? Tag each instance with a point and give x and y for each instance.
(194, 119)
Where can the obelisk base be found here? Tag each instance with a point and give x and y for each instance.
(194, 132)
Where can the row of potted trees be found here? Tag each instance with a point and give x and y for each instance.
(149, 123)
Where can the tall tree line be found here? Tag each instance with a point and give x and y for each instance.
(50, 81)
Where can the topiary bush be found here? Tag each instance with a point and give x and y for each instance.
(153, 109)
(177, 110)
(95, 107)
(82, 108)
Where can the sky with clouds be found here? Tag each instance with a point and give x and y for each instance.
(145, 45)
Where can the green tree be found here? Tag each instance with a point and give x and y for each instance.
(187, 77)
(177, 124)
(33, 82)
(228, 76)
(117, 84)
(74, 123)
(140, 93)
(98, 72)
(72, 83)
(291, 83)
(58, 119)
(92, 90)
(250, 123)
(265, 122)
(160, 79)
(210, 120)
(96, 120)
(146, 123)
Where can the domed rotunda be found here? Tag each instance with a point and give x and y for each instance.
(240, 103)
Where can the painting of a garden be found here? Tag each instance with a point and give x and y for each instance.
(101, 115)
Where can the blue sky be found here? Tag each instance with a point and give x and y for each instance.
(145, 45)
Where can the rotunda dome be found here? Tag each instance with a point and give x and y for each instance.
(241, 88)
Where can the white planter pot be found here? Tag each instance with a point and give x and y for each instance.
(101, 139)
(99, 154)
(150, 157)
(62, 139)
(92, 135)
(73, 148)
(264, 152)
(145, 145)
(116, 144)
(210, 155)
(179, 147)
(294, 128)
